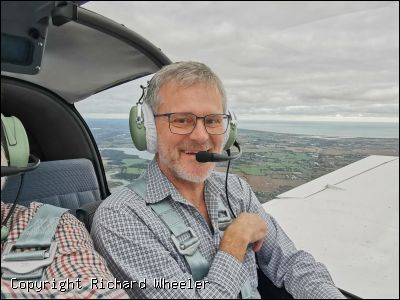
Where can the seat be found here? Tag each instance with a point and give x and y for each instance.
(68, 183)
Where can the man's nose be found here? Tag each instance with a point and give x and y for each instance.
(199, 132)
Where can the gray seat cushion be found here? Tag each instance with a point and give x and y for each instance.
(65, 183)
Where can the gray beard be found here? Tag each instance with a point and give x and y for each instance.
(181, 173)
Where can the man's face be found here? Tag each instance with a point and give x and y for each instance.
(177, 152)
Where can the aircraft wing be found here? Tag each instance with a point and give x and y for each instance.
(349, 220)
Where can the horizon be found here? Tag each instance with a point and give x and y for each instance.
(323, 129)
(259, 118)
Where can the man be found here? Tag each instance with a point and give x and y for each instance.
(76, 270)
(128, 232)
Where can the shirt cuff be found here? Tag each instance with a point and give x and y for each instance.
(226, 271)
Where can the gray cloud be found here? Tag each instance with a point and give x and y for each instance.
(292, 58)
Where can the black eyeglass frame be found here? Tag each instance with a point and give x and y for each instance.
(229, 117)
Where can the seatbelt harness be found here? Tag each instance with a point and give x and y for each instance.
(184, 237)
(38, 234)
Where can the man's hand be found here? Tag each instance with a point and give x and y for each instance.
(247, 228)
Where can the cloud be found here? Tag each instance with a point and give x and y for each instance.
(295, 58)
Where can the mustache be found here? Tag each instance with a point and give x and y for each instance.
(190, 146)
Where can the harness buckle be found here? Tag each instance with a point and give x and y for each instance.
(188, 246)
(28, 261)
(224, 219)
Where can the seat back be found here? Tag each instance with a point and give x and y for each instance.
(64, 183)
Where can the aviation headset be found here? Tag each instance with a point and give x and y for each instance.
(143, 128)
(16, 147)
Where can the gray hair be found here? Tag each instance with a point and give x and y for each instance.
(185, 74)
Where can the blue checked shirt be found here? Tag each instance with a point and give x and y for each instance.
(138, 246)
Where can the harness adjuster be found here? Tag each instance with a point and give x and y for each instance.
(224, 219)
(188, 246)
(27, 261)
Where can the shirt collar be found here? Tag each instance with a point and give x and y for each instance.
(213, 187)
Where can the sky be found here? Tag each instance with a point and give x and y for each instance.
(294, 60)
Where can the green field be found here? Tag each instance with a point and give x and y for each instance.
(134, 171)
(252, 170)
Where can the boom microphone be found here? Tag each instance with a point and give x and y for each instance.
(204, 156)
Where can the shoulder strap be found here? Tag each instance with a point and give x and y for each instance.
(185, 239)
(39, 234)
(139, 186)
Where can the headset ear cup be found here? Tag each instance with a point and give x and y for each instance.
(16, 141)
(232, 127)
(137, 129)
(151, 130)
(231, 137)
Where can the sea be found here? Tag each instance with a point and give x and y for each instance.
(315, 128)
(326, 128)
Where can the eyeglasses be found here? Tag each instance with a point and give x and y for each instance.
(184, 123)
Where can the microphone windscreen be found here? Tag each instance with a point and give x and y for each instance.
(204, 156)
